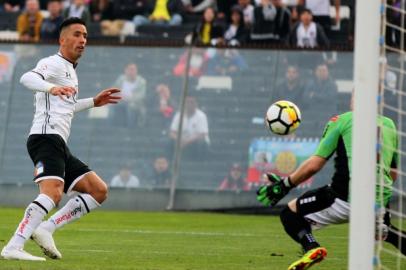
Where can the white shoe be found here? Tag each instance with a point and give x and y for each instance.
(44, 240)
(11, 253)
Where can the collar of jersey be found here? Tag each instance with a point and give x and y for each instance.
(73, 64)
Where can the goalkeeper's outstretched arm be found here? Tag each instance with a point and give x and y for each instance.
(307, 169)
(271, 194)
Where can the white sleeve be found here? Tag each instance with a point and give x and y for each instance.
(37, 79)
(35, 82)
(203, 126)
(175, 122)
(84, 104)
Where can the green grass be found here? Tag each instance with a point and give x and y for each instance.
(169, 241)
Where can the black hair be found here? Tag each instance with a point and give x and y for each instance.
(306, 10)
(70, 21)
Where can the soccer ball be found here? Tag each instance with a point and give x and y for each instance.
(283, 117)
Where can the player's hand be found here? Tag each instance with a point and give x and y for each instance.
(270, 195)
(63, 91)
(107, 97)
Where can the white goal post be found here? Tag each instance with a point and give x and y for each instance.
(364, 141)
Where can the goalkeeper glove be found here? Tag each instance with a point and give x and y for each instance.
(270, 195)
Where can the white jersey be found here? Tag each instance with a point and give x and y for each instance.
(53, 114)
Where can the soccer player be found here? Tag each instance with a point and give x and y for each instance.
(55, 84)
(327, 205)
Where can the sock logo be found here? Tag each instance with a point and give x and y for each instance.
(25, 221)
(68, 216)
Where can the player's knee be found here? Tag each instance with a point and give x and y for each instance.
(53, 189)
(55, 195)
(100, 193)
(292, 205)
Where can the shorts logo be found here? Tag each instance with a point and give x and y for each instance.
(307, 200)
(39, 168)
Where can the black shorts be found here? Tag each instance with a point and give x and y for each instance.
(315, 200)
(322, 207)
(53, 159)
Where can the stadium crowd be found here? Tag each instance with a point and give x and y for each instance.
(301, 23)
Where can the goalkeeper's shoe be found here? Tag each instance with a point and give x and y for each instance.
(44, 240)
(310, 258)
(13, 253)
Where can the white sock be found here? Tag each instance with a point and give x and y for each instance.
(33, 216)
(74, 209)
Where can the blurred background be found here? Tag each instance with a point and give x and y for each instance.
(247, 55)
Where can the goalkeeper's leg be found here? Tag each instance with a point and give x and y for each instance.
(316, 208)
(395, 236)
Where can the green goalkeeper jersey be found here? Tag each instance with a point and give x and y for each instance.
(337, 138)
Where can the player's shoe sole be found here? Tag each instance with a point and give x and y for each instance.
(45, 241)
(10, 253)
(311, 257)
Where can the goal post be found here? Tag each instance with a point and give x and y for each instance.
(364, 141)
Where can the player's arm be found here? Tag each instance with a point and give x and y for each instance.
(106, 96)
(271, 194)
(307, 169)
(38, 80)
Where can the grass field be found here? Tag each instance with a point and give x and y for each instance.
(169, 241)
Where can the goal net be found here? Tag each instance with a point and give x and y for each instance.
(377, 233)
(391, 103)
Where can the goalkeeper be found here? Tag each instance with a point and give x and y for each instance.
(329, 204)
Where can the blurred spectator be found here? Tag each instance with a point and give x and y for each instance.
(209, 32)
(127, 9)
(13, 5)
(292, 88)
(198, 63)
(195, 132)
(248, 11)
(271, 22)
(224, 9)
(161, 12)
(101, 10)
(78, 9)
(198, 6)
(225, 62)
(125, 178)
(321, 12)
(306, 33)
(131, 111)
(234, 180)
(29, 22)
(236, 33)
(50, 25)
(161, 176)
(322, 90)
(164, 98)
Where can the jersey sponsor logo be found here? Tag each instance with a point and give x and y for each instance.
(39, 168)
(307, 200)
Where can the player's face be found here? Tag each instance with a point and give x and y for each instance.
(73, 41)
(235, 17)
(209, 15)
(291, 74)
(131, 71)
(306, 18)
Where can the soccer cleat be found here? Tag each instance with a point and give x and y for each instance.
(11, 253)
(311, 257)
(44, 240)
